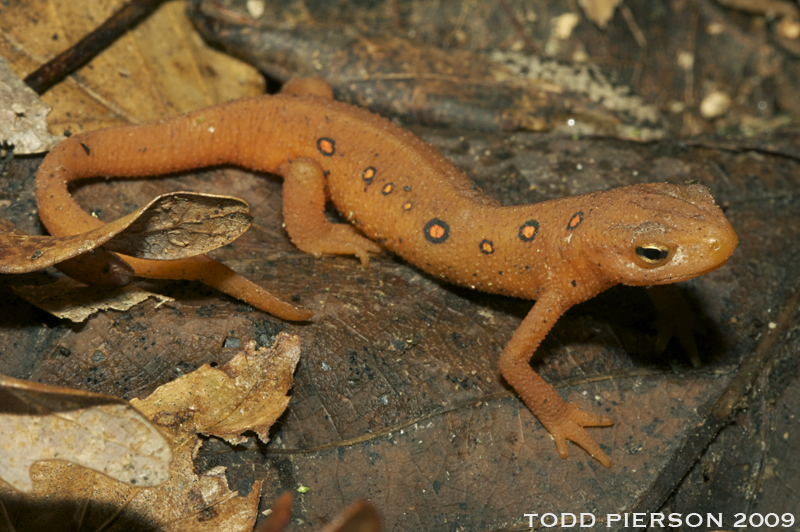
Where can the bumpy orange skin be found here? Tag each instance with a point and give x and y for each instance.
(400, 192)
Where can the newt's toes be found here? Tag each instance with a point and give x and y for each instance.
(585, 419)
(571, 428)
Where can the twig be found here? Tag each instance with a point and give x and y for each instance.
(92, 44)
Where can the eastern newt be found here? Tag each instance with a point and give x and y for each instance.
(400, 192)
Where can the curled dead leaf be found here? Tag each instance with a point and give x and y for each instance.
(172, 226)
(209, 397)
(247, 394)
(40, 422)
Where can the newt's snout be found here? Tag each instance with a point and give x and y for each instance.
(715, 240)
(720, 242)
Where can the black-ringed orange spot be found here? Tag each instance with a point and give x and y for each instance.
(528, 230)
(436, 231)
(369, 174)
(575, 221)
(326, 146)
(387, 189)
(407, 206)
(486, 246)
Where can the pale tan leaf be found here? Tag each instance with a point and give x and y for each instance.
(22, 115)
(39, 422)
(68, 497)
(68, 299)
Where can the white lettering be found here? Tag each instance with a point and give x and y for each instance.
(657, 518)
(718, 521)
(554, 523)
(697, 523)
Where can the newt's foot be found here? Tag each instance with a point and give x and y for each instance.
(338, 239)
(570, 427)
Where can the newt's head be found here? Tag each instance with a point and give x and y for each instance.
(660, 233)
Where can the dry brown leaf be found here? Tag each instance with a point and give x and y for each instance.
(196, 403)
(40, 422)
(22, 115)
(172, 226)
(68, 299)
(161, 68)
(187, 501)
(247, 393)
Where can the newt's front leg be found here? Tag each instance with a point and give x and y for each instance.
(564, 420)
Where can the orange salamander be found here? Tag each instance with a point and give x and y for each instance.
(400, 192)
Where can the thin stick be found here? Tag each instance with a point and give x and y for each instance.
(92, 44)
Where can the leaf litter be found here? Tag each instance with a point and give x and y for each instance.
(247, 393)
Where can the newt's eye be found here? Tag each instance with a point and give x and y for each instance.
(651, 255)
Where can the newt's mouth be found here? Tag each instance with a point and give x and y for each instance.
(695, 273)
(716, 253)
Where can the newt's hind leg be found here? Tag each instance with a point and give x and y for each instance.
(304, 215)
